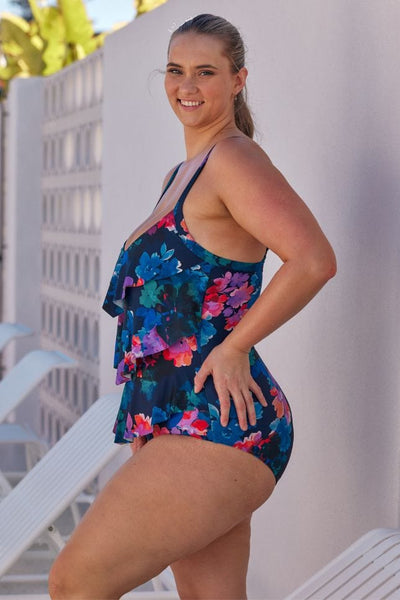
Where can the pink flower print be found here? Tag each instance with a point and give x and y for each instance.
(238, 279)
(142, 425)
(128, 427)
(221, 283)
(182, 351)
(232, 320)
(186, 230)
(121, 377)
(152, 342)
(157, 430)
(191, 424)
(168, 222)
(136, 345)
(240, 295)
(213, 304)
(254, 439)
(200, 427)
(280, 404)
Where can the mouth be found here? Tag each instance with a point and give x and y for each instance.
(190, 103)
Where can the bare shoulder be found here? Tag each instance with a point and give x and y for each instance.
(260, 199)
(239, 157)
(239, 168)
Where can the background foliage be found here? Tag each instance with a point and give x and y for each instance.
(44, 39)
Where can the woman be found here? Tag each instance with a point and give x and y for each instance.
(211, 429)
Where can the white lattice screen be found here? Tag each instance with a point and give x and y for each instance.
(70, 246)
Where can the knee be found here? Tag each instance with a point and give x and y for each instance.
(222, 590)
(61, 581)
(187, 591)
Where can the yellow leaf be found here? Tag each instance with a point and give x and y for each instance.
(15, 36)
(143, 6)
(78, 27)
(15, 21)
(8, 72)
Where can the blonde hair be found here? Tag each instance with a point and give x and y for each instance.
(219, 27)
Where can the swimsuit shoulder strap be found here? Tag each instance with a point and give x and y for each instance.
(170, 180)
(193, 178)
(197, 173)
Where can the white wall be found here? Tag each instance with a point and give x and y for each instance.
(325, 91)
(22, 258)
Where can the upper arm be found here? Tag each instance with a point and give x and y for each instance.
(263, 203)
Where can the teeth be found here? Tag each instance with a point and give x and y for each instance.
(190, 103)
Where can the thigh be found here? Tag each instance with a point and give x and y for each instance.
(172, 498)
(217, 571)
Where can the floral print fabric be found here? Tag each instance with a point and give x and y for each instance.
(175, 301)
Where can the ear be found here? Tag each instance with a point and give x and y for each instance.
(240, 80)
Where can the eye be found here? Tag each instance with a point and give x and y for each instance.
(205, 73)
(174, 71)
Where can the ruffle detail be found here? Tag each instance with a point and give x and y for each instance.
(135, 268)
(157, 315)
(157, 301)
(160, 407)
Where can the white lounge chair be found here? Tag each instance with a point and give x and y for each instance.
(26, 375)
(10, 331)
(14, 388)
(31, 508)
(368, 570)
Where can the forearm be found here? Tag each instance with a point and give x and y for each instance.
(291, 288)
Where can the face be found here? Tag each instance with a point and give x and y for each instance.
(199, 81)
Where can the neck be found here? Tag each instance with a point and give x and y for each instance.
(197, 141)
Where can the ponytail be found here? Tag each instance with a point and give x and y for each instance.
(243, 118)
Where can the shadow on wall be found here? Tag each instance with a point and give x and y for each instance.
(367, 314)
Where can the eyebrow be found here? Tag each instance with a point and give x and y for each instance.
(172, 64)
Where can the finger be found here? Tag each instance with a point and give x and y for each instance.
(137, 443)
(251, 411)
(200, 377)
(255, 388)
(224, 402)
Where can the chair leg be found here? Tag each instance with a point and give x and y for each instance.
(54, 538)
(5, 486)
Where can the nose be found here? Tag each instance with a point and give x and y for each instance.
(188, 85)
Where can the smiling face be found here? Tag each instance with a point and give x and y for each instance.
(199, 81)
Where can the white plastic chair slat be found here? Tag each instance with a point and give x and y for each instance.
(361, 562)
(10, 331)
(372, 588)
(374, 575)
(14, 433)
(389, 590)
(26, 375)
(367, 568)
(55, 481)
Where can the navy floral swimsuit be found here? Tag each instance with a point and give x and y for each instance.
(175, 301)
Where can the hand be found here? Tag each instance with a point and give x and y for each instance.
(137, 443)
(230, 370)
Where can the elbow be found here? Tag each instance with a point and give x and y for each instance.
(324, 266)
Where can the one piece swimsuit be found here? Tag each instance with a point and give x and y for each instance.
(175, 301)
